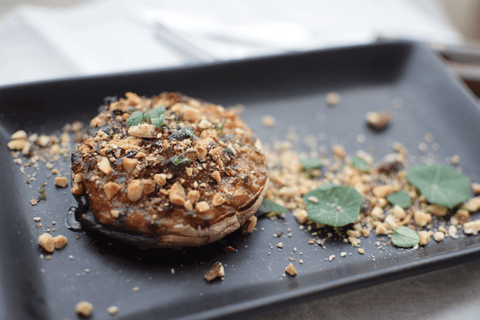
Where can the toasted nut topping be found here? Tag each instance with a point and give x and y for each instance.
(202, 206)
(46, 242)
(193, 196)
(97, 122)
(462, 216)
(268, 121)
(189, 171)
(112, 310)
(216, 176)
(202, 152)
(60, 242)
(43, 141)
(424, 237)
(111, 189)
(472, 227)
(381, 229)
(19, 135)
(439, 236)
(204, 124)
(84, 308)
(177, 194)
(77, 189)
(133, 98)
(333, 98)
(129, 164)
(78, 178)
(216, 271)
(338, 151)
(190, 114)
(301, 215)
(290, 270)
(16, 144)
(217, 200)
(422, 218)
(436, 210)
(61, 182)
(383, 191)
(114, 214)
(135, 190)
(188, 205)
(472, 205)
(143, 130)
(252, 222)
(148, 186)
(160, 179)
(104, 166)
(378, 120)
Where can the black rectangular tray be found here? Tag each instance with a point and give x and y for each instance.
(290, 87)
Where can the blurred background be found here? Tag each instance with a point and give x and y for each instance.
(45, 39)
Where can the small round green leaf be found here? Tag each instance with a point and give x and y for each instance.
(405, 237)
(310, 163)
(157, 116)
(270, 206)
(135, 119)
(336, 206)
(359, 163)
(440, 184)
(401, 198)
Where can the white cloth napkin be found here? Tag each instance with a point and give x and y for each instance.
(108, 36)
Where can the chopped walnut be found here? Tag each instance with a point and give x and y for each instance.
(217, 200)
(177, 194)
(60, 242)
(160, 179)
(472, 205)
(202, 206)
(290, 270)
(148, 186)
(61, 182)
(129, 164)
(111, 189)
(84, 309)
(135, 190)
(47, 242)
(104, 166)
(190, 114)
(193, 195)
(378, 120)
(216, 176)
(216, 271)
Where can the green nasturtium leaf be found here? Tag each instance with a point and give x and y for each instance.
(135, 119)
(157, 116)
(359, 163)
(336, 206)
(270, 206)
(440, 184)
(310, 163)
(400, 198)
(405, 237)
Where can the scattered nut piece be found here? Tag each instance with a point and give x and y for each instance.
(301, 215)
(111, 189)
(19, 135)
(84, 308)
(472, 205)
(472, 227)
(112, 310)
(268, 121)
(216, 271)
(216, 176)
(331, 257)
(47, 242)
(333, 98)
(424, 237)
(290, 270)
(437, 210)
(177, 194)
(202, 206)
(383, 191)
(280, 245)
(361, 251)
(438, 236)
(60, 241)
(476, 188)
(339, 151)
(104, 166)
(218, 200)
(378, 120)
(135, 190)
(129, 164)
(251, 223)
(421, 218)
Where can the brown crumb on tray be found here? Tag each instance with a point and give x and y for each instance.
(378, 120)
(216, 271)
(268, 121)
(112, 310)
(47, 242)
(61, 182)
(290, 270)
(332, 98)
(84, 309)
(60, 241)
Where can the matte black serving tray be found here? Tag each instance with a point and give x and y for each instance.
(293, 89)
